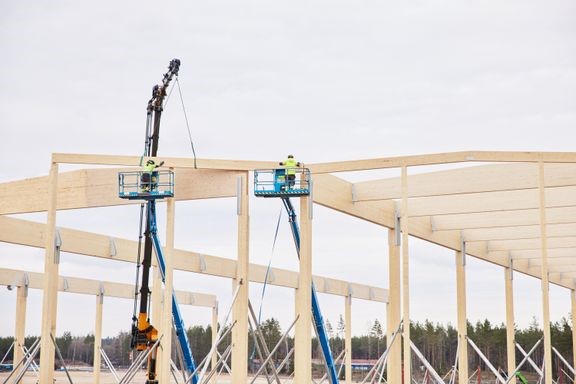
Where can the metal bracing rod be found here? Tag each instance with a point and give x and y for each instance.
(274, 350)
(530, 361)
(25, 363)
(33, 364)
(526, 358)
(288, 356)
(138, 362)
(455, 366)
(259, 336)
(564, 361)
(109, 364)
(9, 349)
(429, 367)
(257, 347)
(173, 369)
(567, 375)
(222, 358)
(336, 361)
(486, 361)
(384, 357)
(61, 358)
(205, 359)
(180, 355)
(203, 372)
(224, 363)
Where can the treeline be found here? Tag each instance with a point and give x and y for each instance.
(437, 342)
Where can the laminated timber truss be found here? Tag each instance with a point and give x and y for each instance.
(515, 209)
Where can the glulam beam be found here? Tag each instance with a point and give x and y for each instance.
(29, 233)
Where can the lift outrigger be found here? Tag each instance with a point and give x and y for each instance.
(150, 186)
(274, 183)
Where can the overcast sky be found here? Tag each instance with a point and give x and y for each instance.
(325, 80)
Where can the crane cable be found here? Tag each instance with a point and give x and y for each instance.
(267, 273)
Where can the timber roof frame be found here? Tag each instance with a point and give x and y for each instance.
(496, 210)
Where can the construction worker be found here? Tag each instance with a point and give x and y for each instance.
(149, 176)
(290, 164)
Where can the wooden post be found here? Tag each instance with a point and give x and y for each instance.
(98, 337)
(166, 355)
(20, 329)
(50, 284)
(462, 324)
(510, 330)
(214, 338)
(394, 366)
(544, 277)
(406, 280)
(240, 309)
(348, 338)
(302, 339)
(156, 300)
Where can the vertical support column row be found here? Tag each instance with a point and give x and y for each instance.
(302, 339)
(510, 331)
(394, 367)
(406, 279)
(20, 329)
(50, 284)
(348, 337)
(165, 355)
(98, 337)
(461, 318)
(544, 277)
(240, 308)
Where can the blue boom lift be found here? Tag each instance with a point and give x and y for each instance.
(274, 183)
(150, 186)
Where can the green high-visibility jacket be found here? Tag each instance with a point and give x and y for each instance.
(149, 167)
(290, 165)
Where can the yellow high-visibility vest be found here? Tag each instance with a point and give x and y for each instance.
(290, 165)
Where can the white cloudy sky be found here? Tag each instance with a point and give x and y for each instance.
(326, 80)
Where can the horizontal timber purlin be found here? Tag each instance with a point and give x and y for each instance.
(443, 158)
(536, 254)
(530, 244)
(519, 233)
(336, 193)
(31, 234)
(507, 218)
(17, 278)
(90, 188)
(489, 201)
(487, 178)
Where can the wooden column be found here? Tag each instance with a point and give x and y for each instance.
(50, 284)
(240, 309)
(394, 366)
(20, 329)
(510, 331)
(164, 366)
(302, 339)
(406, 280)
(573, 300)
(544, 277)
(214, 338)
(98, 337)
(461, 317)
(348, 338)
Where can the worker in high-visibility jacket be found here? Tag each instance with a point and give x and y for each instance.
(290, 164)
(149, 176)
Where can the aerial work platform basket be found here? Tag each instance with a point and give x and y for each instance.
(141, 185)
(281, 182)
